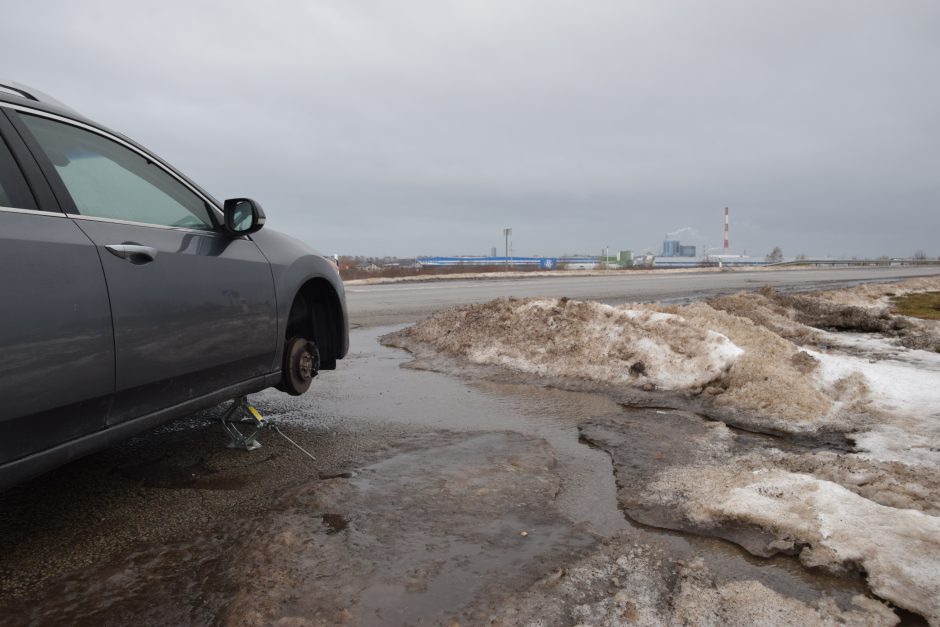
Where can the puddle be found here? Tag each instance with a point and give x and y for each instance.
(438, 401)
(424, 536)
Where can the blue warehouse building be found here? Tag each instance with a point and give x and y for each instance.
(545, 263)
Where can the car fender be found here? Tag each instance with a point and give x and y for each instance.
(293, 265)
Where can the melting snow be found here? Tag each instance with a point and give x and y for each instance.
(899, 549)
(906, 389)
(742, 354)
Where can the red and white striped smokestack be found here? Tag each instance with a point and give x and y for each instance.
(726, 230)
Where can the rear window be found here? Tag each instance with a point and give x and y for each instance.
(14, 192)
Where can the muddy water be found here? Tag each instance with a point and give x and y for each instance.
(432, 400)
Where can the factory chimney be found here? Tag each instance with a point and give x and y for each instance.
(726, 230)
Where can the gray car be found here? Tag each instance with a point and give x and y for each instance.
(130, 297)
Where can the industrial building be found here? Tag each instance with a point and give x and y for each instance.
(579, 262)
(545, 263)
(673, 248)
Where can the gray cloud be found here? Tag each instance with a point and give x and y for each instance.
(427, 126)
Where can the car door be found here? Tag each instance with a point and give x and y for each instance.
(56, 343)
(194, 309)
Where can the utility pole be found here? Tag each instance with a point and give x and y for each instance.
(506, 234)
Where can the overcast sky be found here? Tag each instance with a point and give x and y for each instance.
(427, 126)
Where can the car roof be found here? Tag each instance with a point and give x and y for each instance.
(15, 93)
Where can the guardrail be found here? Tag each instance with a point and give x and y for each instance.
(858, 262)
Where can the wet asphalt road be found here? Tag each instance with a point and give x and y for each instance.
(395, 303)
(413, 513)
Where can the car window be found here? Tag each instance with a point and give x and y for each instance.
(14, 192)
(108, 180)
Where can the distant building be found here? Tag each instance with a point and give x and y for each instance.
(545, 263)
(675, 261)
(672, 248)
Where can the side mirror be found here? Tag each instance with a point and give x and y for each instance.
(243, 216)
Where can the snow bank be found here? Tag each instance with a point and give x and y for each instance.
(898, 549)
(566, 338)
(772, 380)
(802, 318)
(877, 295)
(729, 359)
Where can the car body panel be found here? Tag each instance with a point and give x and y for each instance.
(200, 316)
(293, 263)
(55, 326)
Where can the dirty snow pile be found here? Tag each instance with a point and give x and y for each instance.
(695, 349)
(826, 524)
(877, 295)
(865, 308)
(592, 341)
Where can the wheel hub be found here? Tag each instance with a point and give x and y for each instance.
(305, 367)
(300, 366)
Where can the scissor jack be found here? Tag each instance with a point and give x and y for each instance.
(241, 412)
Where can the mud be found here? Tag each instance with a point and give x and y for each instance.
(466, 496)
(418, 536)
(161, 529)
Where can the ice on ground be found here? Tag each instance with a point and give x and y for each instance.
(899, 549)
(892, 483)
(906, 390)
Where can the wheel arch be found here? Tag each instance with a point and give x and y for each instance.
(317, 313)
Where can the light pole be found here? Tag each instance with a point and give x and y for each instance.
(506, 234)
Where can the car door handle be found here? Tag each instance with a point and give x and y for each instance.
(136, 254)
